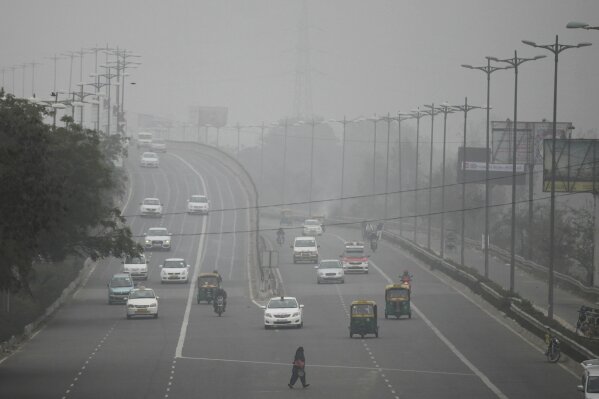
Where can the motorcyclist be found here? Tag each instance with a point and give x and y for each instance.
(374, 243)
(220, 292)
(280, 235)
(406, 277)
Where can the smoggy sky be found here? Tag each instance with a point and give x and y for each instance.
(366, 57)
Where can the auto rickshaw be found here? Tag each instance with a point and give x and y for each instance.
(286, 217)
(363, 318)
(207, 284)
(397, 300)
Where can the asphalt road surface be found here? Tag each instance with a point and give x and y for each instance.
(453, 346)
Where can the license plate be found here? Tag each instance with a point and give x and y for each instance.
(141, 311)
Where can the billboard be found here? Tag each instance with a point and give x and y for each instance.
(209, 116)
(576, 168)
(472, 169)
(529, 140)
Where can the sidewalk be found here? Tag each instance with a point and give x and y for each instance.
(528, 286)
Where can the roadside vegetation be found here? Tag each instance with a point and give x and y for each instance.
(60, 189)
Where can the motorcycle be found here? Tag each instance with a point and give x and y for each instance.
(553, 351)
(374, 244)
(219, 306)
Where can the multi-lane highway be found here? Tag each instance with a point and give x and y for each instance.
(453, 347)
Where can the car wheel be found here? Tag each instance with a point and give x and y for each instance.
(300, 325)
(343, 281)
(266, 327)
(317, 281)
(128, 317)
(156, 316)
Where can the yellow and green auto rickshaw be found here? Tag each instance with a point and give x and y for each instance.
(397, 300)
(207, 285)
(363, 318)
(286, 217)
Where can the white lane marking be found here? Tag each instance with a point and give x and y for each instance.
(233, 247)
(445, 340)
(497, 319)
(330, 366)
(196, 270)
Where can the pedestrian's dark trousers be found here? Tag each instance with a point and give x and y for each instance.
(295, 375)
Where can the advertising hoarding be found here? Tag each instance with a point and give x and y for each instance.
(472, 169)
(576, 168)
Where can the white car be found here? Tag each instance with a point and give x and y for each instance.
(330, 271)
(305, 249)
(590, 379)
(149, 160)
(174, 270)
(142, 302)
(283, 311)
(150, 207)
(312, 227)
(136, 266)
(158, 145)
(157, 237)
(353, 259)
(198, 204)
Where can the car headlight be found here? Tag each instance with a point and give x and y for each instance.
(295, 314)
(267, 314)
(167, 241)
(148, 241)
(153, 304)
(130, 306)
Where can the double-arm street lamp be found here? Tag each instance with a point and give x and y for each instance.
(400, 118)
(465, 109)
(344, 122)
(514, 62)
(555, 48)
(488, 70)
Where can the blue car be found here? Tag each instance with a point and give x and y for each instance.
(119, 288)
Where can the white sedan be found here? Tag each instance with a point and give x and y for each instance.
(150, 207)
(330, 271)
(198, 204)
(312, 227)
(149, 160)
(174, 270)
(283, 311)
(142, 302)
(157, 237)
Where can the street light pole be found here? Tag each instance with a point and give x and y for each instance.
(400, 117)
(555, 48)
(417, 114)
(464, 108)
(284, 160)
(238, 139)
(388, 119)
(444, 109)
(514, 62)
(313, 123)
(374, 121)
(432, 112)
(488, 70)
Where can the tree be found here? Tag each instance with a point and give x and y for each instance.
(58, 190)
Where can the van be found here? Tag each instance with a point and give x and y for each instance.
(305, 249)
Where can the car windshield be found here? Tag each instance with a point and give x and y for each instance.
(158, 141)
(305, 243)
(198, 198)
(330, 264)
(149, 155)
(282, 303)
(593, 384)
(142, 294)
(134, 260)
(121, 282)
(311, 222)
(174, 263)
(157, 232)
(362, 309)
(151, 201)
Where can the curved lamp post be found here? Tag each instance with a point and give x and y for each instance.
(580, 25)
(555, 48)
